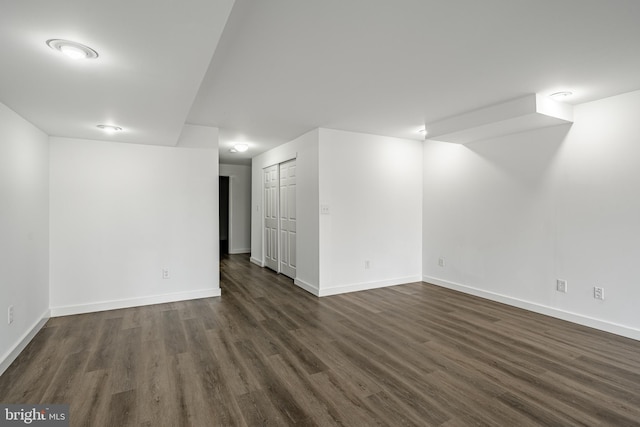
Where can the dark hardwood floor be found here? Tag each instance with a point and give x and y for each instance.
(268, 353)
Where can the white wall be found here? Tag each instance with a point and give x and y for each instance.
(512, 215)
(120, 213)
(196, 136)
(24, 232)
(305, 150)
(373, 188)
(239, 207)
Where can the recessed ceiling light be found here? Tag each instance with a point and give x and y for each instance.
(423, 131)
(241, 148)
(71, 49)
(561, 95)
(233, 150)
(109, 128)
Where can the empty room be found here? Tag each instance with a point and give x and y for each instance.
(322, 212)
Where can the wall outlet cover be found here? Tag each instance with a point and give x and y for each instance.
(598, 293)
(561, 285)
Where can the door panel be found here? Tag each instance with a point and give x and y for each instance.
(287, 216)
(271, 217)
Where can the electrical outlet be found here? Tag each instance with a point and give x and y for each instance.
(10, 315)
(561, 285)
(165, 273)
(598, 293)
(441, 262)
(367, 264)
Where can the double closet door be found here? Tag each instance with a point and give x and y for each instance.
(280, 218)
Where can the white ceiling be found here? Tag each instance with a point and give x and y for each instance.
(283, 67)
(153, 56)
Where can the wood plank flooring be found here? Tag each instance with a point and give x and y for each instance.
(268, 353)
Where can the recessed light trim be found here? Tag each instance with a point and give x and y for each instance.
(561, 95)
(109, 128)
(241, 148)
(71, 49)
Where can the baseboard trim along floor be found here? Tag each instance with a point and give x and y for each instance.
(602, 325)
(133, 302)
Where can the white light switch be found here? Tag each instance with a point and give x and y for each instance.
(324, 210)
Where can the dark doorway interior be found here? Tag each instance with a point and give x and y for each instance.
(224, 215)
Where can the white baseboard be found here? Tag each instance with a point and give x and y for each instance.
(133, 302)
(11, 355)
(239, 251)
(256, 261)
(580, 319)
(355, 287)
(306, 286)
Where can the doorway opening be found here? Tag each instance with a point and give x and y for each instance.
(223, 196)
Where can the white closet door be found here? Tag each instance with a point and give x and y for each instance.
(288, 218)
(271, 217)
